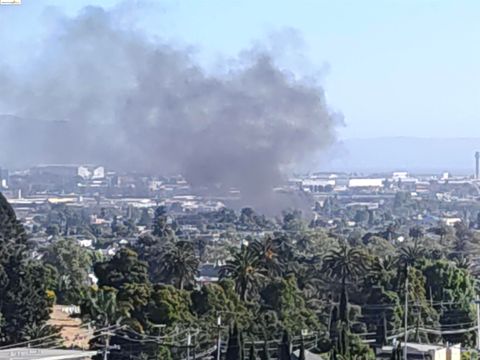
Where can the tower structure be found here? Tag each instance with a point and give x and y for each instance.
(477, 165)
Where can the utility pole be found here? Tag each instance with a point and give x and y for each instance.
(405, 351)
(219, 337)
(108, 347)
(194, 346)
(106, 350)
(159, 337)
(189, 341)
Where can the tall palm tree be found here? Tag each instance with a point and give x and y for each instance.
(390, 231)
(416, 233)
(269, 258)
(345, 264)
(179, 263)
(383, 270)
(409, 257)
(284, 247)
(441, 230)
(463, 262)
(245, 269)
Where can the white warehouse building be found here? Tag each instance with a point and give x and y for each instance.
(366, 182)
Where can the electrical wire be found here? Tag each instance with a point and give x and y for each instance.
(29, 342)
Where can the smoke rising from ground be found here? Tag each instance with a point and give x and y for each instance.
(101, 94)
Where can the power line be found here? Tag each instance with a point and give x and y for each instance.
(29, 342)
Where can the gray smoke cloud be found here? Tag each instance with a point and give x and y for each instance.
(101, 93)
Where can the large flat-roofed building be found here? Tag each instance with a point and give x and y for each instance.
(44, 354)
(66, 171)
(69, 171)
(317, 185)
(366, 182)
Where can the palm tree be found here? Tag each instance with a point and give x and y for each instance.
(383, 269)
(344, 264)
(384, 264)
(463, 262)
(441, 231)
(101, 307)
(162, 228)
(245, 269)
(390, 231)
(409, 257)
(284, 247)
(416, 233)
(179, 263)
(269, 258)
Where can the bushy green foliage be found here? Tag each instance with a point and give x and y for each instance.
(72, 264)
(100, 307)
(24, 283)
(283, 297)
(123, 268)
(170, 306)
(453, 288)
(469, 355)
(213, 300)
(286, 277)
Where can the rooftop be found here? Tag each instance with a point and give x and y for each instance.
(44, 354)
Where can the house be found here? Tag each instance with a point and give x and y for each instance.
(424, 352)
(208, 273)
(44, 354)
(450, 221)
(308, 356)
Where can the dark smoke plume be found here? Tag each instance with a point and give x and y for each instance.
(99, 93)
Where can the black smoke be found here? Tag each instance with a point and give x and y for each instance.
(101, 93)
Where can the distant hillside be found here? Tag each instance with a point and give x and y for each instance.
(28, 142)
(404, 153)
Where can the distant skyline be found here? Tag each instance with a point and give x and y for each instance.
(393, 68)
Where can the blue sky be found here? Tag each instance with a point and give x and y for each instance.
(393, 68)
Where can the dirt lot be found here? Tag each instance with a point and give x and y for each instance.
(73, 333)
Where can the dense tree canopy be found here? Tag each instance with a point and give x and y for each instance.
(25, 284)
(72, 264)
(335, 284)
